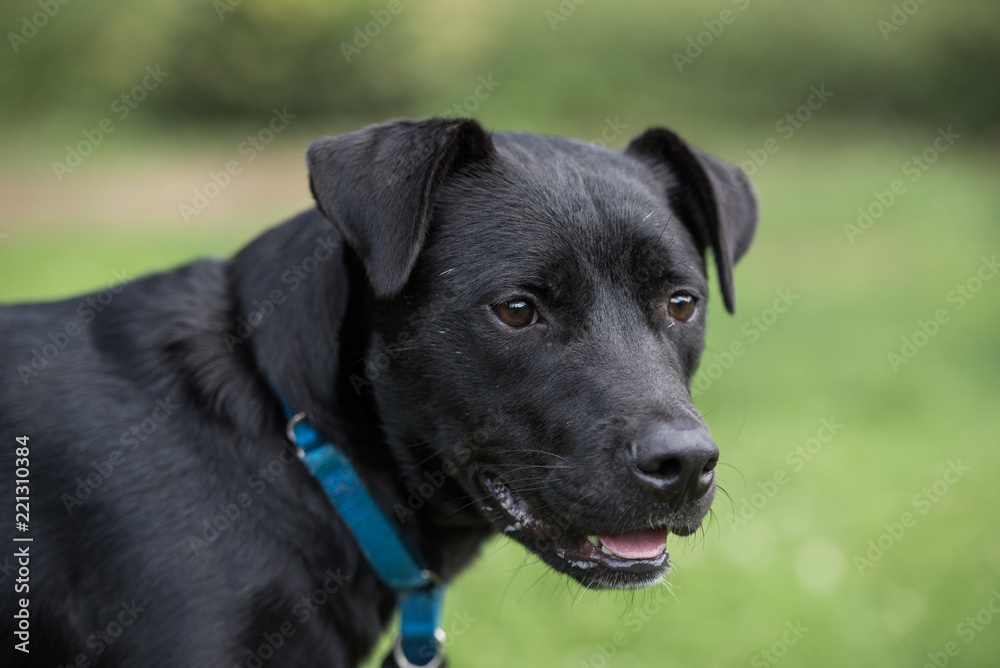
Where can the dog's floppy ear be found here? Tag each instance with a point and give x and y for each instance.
(715, 200)
(378, 184)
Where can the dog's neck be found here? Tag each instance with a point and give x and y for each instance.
(321, 334)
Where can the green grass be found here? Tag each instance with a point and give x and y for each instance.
(736, 588)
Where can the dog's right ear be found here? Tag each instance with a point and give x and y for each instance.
(378, 186)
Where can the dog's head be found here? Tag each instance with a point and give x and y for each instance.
(539, 312)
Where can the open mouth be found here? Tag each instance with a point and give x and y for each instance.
(636, 558)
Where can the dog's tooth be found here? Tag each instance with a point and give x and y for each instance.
(594, 539)
(607, 551)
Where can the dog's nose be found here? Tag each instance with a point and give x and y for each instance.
(678, 462)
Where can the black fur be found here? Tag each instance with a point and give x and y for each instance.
(381, 327)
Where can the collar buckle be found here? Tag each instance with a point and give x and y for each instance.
(290, 433)
(399, 656)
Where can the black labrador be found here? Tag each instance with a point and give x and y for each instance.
(498, 330)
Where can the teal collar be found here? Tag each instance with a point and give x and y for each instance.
(419, 591)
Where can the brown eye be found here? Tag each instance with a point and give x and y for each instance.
(682, 306)
(516, 313)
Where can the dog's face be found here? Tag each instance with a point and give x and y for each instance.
(538, 322)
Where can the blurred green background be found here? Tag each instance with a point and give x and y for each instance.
(810, 557)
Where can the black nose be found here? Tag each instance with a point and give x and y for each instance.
(678, 462)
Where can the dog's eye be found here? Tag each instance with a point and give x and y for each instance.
(682, 306)
(516, 313)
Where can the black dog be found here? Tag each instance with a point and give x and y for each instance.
(498, 330)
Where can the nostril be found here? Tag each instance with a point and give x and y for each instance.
(667, 468)
(708, 472)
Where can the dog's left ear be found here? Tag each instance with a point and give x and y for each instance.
(378, 184)
(715, 200)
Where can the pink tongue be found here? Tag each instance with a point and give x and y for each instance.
(643, 544)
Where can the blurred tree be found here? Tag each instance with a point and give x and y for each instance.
(729, 59)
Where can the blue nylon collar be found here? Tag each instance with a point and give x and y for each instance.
(420, 592)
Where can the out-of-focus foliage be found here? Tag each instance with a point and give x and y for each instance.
(236, 60)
